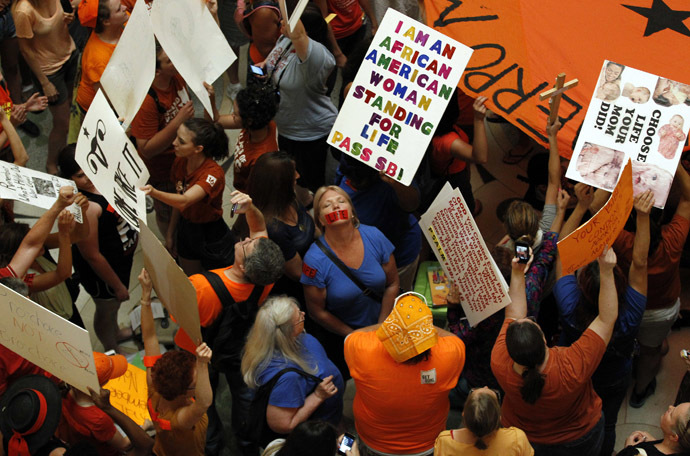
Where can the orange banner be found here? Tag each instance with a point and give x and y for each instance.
(521, 45)
(586, 243)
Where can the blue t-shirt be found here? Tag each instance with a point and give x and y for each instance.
(378, 206)
(618, 357)
(292, 389)
(293, 239)
(344, 299)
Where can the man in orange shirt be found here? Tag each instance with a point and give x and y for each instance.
(258, 262)
(403, 370)
(107, 18)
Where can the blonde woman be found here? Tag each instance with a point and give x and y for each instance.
(278, 341)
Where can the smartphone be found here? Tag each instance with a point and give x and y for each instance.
(256, 70)
(67, 6)
(522, 251)
(685, 354)
(346, 444)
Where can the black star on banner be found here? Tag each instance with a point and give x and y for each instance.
(86, 133)
(661, 17)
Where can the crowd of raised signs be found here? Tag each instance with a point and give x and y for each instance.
(310, 286)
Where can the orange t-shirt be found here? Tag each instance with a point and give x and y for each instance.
(568, 407)
(211, 178)
(93, 62)
(79, 423)
(209, 303)
(390, 396)
(442, 161)
(48, 37)
(150, 121)
(247, 152)
(6, 105)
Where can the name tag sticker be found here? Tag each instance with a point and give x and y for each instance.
(429, 377)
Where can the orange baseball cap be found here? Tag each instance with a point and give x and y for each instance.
(109, 367)
(88, 12)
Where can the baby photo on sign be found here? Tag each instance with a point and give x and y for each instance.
(647, 176)
(671, 93)
(44, 187)
(609, 85)
(599, 165)
(671, 136)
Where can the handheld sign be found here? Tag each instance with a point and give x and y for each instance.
(47, 340)
(109, 159)
(173, 287)
(458, 245)
(129, 394)
(634, 115)
(400, 93)
(587, 243)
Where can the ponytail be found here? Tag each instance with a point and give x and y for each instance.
(532, 386)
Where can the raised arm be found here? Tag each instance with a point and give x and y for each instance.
(189, 415)
(148, 327)
(554, 167)
(64, 265)
(608, 297)
(637, 277)
(79, 232)
(255, 219)
(163, 139)
(584, 194)
(518, 298)
(33, 241)
(478, 151)
(561, 206)
(299, 38)
(180, 202)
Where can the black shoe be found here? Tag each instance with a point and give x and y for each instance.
(30, 128)
(638, 400)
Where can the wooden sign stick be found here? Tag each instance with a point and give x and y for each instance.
(554, 95)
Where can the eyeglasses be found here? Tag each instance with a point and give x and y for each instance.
(496, 392)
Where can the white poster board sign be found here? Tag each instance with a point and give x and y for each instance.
(109, 159)
(193, 42)
(47, 340)
(458, 245)
(132, 67)
(637, 115)
(172, 286)
(34, 187)
(400, 92)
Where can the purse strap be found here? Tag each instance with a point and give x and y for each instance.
(336, 261)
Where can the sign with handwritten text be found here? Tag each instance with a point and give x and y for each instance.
(47, 340)
(129, 394)
(34, 187)
(587, 243)
(455, 239)
(109, 159)
(400, 93)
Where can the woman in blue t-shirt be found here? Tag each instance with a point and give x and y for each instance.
(334, 301)
(577, 306)
(277, 341)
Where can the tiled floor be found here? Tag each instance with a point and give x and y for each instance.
(505, 185)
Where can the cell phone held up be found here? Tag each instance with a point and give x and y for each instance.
(522, 251)
(346, 444)
(67, 6)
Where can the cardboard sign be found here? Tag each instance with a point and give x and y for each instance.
(33, 187)
(129, 394)
(173, 287)
(193, 42)
(296, 13)
(47, 340)
(586, 243)
(132, 67)
(633, 115)
(109, 159)
(458, 245)
(398, 96)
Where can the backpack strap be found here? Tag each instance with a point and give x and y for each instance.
(227, 301)
(269, 385)
(154, 95)
(336, 261)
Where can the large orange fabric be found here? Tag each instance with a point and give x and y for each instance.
(521, 45)
(93, 62)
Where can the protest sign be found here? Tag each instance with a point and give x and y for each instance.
(172, 286)
(586, 243)
(108, 158)
(400, 92)
(34, 187)
(633, 115)
(129, 394)
(458, 245)
(296, 13)
(47, 340)
(521, 45)
(193, 42)
(132, 67)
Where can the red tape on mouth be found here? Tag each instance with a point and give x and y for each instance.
(337, 215)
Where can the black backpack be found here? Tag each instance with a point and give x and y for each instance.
(257, 427)
(227, 334)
